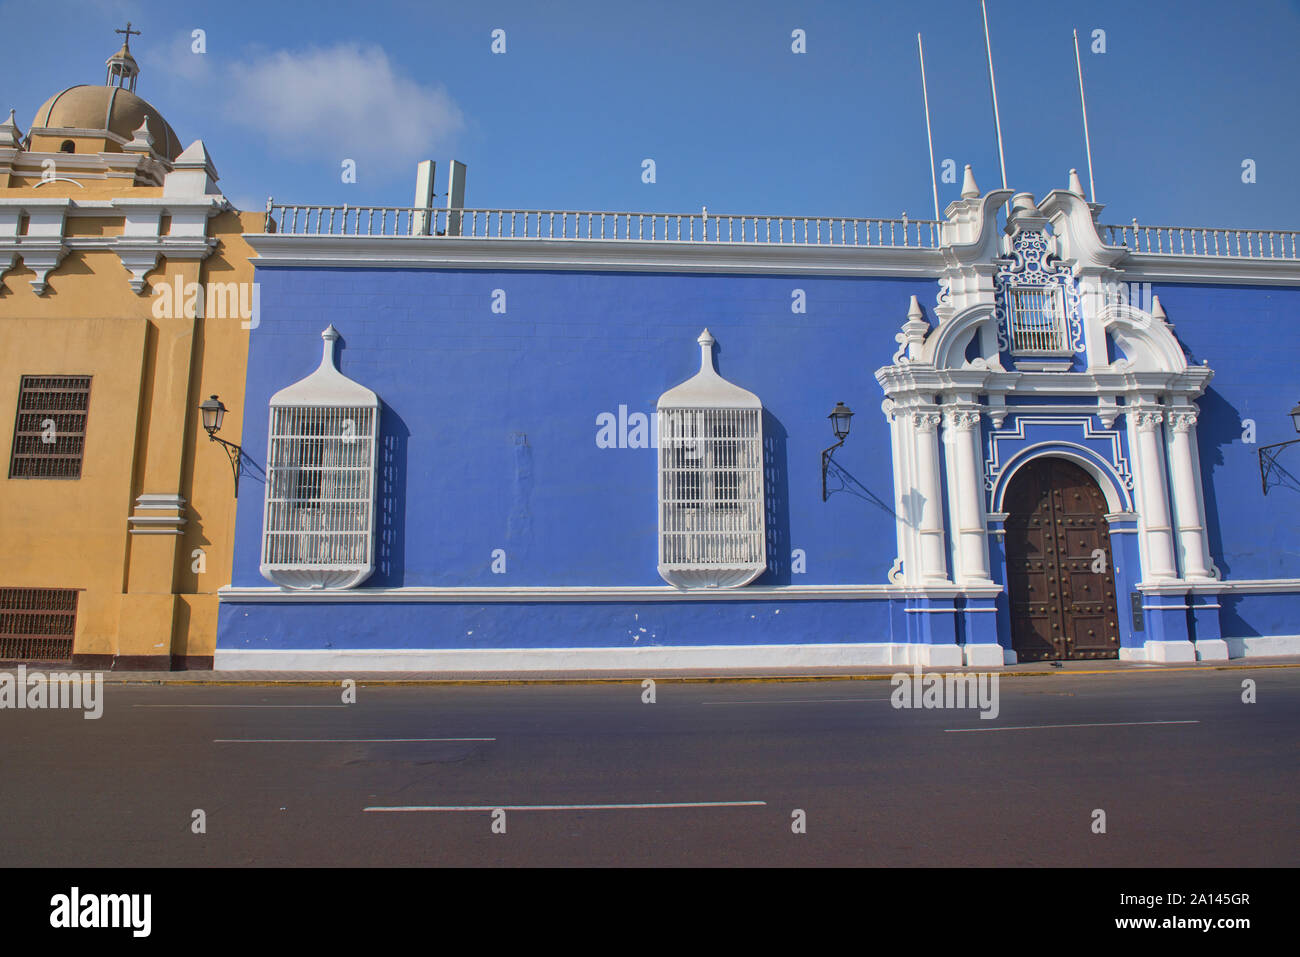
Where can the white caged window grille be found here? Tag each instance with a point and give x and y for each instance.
(318, 529)
(1037, 319)
(712, 530)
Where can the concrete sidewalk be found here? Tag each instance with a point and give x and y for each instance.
(420, 678)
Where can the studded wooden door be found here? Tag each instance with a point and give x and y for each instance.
(1059, 570)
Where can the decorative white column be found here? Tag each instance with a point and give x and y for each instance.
(1189, 509)
(1149, 479)
(928, 482)
(965, 494)
(903, 568)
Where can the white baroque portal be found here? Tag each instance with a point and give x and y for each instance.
(1030, 357)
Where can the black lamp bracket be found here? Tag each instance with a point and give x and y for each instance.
(826, 462)
(1268, 460)
(236, 455)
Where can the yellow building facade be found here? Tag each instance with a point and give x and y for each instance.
(126, 299)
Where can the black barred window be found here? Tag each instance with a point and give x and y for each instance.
(37, 624)
(50, 428)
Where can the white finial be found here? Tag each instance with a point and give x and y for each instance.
(914, 313)
(968, 188)
(142, 140)
(330, 335)
(1076, 185)
(9, 135)
(1023, 203)
(706, 342)
(1157, 310)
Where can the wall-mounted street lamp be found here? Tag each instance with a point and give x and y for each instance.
(839, 417)
(1267, 455)
(213, 413)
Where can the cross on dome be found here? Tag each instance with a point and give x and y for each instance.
(122, 68)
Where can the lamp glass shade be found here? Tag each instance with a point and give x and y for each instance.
(840, 417)
(1295, 418)
(213, 412)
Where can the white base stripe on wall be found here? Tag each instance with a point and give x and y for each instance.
(877, 654)
(1216, 649)
(722, 657)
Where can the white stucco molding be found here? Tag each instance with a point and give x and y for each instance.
(1242, 586)
(972, 244)
(405, 252)
(583, 594)
(1075, 226)
(1118, 497)
(157, 514)
(42, 247)
(1147, 341)
(140, 245)
(1226, 270)
(1074, 223)
(945, 347)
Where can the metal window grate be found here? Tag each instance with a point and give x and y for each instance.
(37, 624)
(711, 481)
(320, 487)
(50, 427)
(1037, 319)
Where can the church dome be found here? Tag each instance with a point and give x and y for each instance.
(110, 108)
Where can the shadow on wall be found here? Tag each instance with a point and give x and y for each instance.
(840, 479)
(1218, 425)
(776, 483)
(390, 502)
(1230, 620)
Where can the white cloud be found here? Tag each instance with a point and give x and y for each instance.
(175, 57)
(344, 101)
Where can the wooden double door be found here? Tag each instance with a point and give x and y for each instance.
(1060, 575)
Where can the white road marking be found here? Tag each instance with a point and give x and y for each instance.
(791, 700)
(571, 807)
(334, 740)
(1037, 727)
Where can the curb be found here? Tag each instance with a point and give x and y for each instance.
(669, 679)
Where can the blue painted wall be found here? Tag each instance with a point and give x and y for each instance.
(489, 425)
(1251, 339)
(434, 625)
(489, 442)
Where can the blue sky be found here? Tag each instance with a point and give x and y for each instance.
(712, 92)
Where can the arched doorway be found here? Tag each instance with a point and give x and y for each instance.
(1060, 576)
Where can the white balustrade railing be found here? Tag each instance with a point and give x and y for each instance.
(1204, 241)
(575, 225)
(705, 227)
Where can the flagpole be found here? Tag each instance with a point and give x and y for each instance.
(925, 93)
(993, 86)
(1087, 140)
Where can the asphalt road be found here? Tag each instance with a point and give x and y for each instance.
(284, 775)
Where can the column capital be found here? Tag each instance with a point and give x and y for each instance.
(1182, 420)
(963, 420)
(925, 421)
(1147, 420)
